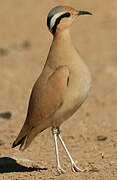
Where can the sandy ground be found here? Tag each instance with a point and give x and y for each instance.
(24, 45)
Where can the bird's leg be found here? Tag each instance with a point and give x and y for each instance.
(73, 165)
(55, 133)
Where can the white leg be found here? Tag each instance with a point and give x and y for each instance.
(55, 134)
(74, 167)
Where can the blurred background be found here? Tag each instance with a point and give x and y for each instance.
(24, 45)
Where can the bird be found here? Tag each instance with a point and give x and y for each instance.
(61, 88)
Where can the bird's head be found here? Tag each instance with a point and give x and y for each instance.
(60, 18)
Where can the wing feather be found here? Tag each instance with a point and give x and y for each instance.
(47, 98)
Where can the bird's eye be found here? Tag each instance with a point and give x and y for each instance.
(67, 14)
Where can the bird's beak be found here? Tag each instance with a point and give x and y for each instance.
(84, 12)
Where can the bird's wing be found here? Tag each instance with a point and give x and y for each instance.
(46, 100)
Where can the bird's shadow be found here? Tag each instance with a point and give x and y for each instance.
(8, 165)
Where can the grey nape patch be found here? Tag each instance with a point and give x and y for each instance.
(52, 12)
(55, 10)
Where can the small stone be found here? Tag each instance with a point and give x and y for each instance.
(1, 142)
(87, 114)
(22, 45)
(101, 138)
(5, 115)
(3, 51)
(111, 163)
(102, 155)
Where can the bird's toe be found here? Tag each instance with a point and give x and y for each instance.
(60, 170)
(76, 169)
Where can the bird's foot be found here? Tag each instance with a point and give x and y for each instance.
(76, 169)
(60, 170)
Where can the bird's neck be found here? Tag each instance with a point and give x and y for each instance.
(62, 37)
(63, 51)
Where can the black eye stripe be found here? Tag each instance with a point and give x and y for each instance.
(66, 15)
(57, 21)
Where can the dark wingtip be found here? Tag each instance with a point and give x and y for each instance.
(13, 145)
(18, 143)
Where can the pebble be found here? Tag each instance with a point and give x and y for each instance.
(1, 142)
(5, 115)
(101, 138)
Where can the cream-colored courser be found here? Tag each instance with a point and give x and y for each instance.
(62, 86)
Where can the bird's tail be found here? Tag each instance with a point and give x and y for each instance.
(26, 135)
(22, 137)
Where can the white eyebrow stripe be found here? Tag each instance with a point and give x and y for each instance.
(53, 20)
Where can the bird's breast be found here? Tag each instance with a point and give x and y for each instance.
(78, 88)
